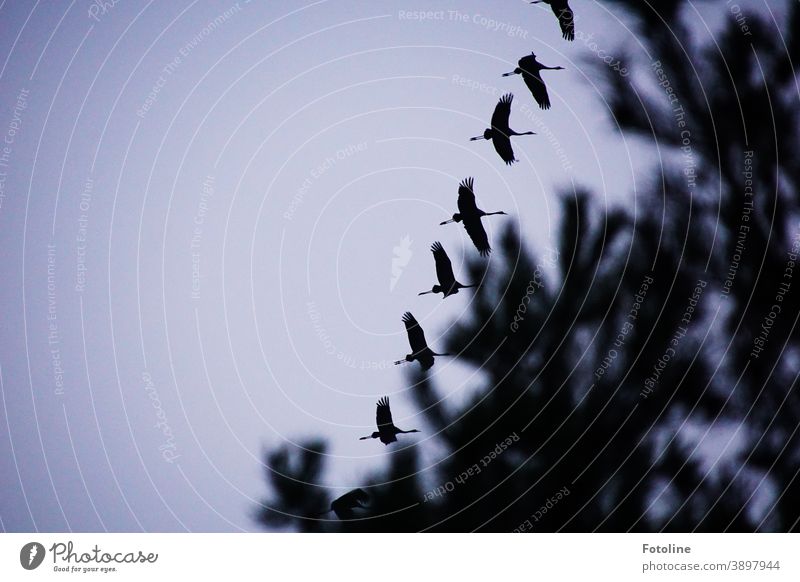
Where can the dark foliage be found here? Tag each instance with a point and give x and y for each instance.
(705, 260)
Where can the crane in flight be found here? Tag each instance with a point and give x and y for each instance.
(444, 273)
(500, 133)
(530, 70)
(419, 351)
(343, 506)
(566, 19)
(470, 215)
(387, 432)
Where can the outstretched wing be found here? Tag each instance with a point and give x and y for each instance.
(500, 134)
(566, 19)
(444, 268)
(533, 79)
(476, 232)
(502, 113)
(343, 506)
(502, 145)
(466, 197)
(416, 338)
(357, 496)
(383, 415)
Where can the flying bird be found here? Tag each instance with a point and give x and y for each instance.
(387, 431)
(444, 273)
(470, 215)
(500, 133)
(566, 19)
(419, 352)
(530, 68)
(343, 506)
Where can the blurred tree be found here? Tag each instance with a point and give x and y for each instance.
(294, 475)
(606, 361)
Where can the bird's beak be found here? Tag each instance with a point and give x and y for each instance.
(398, 362)
(476, 138)
(508, 74)
(446, 222)
(424, 292)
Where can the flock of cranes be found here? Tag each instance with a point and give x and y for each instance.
(470, 215)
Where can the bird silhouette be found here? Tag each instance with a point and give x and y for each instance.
(387, 431)
(470, 215)
(530, 68)
(500, 133)
(419, 352)
(566, 19)
(444, 273)
(343, 506)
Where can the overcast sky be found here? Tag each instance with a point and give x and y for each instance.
(214, 214)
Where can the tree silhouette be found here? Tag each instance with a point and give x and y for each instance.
(294, 475)
(607, 360)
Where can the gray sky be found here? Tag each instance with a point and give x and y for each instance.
(201, 205)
